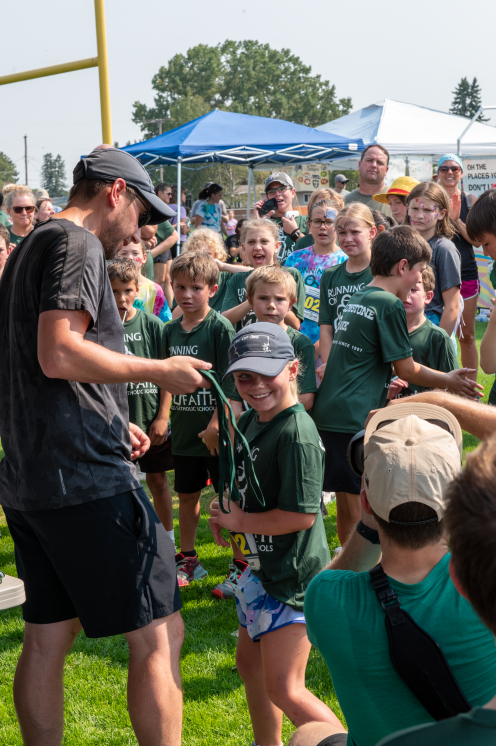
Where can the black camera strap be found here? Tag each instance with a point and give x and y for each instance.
(417, 657)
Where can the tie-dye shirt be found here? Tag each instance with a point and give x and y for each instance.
(311, 266)
(151, 298)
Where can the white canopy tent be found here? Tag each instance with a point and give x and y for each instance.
(409, 130)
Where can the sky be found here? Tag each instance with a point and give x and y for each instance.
(415, 53)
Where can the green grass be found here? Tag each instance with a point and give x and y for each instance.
(95, 675)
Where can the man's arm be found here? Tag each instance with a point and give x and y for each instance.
(326, 337)
(359, 554)
(476, 419)
(165, 245)
(64, 353)
(451, 300)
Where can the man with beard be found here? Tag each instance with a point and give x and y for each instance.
(373, 167)
(89, 547)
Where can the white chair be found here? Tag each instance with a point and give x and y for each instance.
(11, 591)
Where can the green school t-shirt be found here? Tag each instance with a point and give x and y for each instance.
(305, 352)
(474, 728)
(304, 242)
(191, 413)
(13, 237)
(288, 458)
(164, 230)
(371, 334)
(337, 285)
(236, 294)
(4, 219)
(287, 244)
(366, 199)
(148, 268)
(345, 621)
(432, 347)
(144, 337)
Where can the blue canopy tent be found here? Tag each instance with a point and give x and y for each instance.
(226, 137)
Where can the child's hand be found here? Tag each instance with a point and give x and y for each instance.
(458, 383)
(210, 438)
(289, 225)
(158, 431)
(321, 370)
(455, 206)
(216, 530)
(395, 387)
(233, 521)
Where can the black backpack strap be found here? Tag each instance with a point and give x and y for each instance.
(417, 657)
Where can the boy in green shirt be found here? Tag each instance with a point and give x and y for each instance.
(271, 293)
(199, 332)
(373, 335)
(431, 345)
(143, 337)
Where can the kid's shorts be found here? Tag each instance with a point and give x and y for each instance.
(260, 613)
(163, 258)
(157, 459)
(109, 562)
(338, 476)
(193, 472)
(337, 739)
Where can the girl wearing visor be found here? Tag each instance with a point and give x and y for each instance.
(278, 526)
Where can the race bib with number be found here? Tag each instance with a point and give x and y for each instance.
(312, 303)
(248, 546)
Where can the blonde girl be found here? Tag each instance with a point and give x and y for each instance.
(283, 537)
(260, 243)
(151, 297)
(355, 228)
(429, 213)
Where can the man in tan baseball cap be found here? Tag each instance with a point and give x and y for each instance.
(408, 455)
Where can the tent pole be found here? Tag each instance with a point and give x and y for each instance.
(248, 196)
(178, 198)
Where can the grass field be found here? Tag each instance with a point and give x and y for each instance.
(95, 675)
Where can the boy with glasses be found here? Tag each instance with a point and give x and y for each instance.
(280, 187)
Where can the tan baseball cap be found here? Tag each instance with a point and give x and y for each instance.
(412, 451)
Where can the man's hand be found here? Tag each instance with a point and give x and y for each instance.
(140, 442)
(158, 431)
(321, 370)
(233, 521)
(395, 387)
(181, 375)
(210, 437)
(458, 383)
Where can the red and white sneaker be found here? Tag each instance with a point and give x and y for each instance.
(227, 589)
(188, 569)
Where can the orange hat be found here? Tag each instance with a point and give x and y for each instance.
(401, 186)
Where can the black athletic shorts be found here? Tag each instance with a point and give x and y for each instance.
(192, 472)
(157, 459)
(338, 476)
(108, 562)
(163, 258)
(337, 739)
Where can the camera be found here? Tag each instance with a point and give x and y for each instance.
(355, 453)
(268, 206)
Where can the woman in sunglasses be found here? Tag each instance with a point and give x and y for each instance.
(20, 203)
(450, 172)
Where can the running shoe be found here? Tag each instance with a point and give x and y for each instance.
(188, 569)
(227, 589)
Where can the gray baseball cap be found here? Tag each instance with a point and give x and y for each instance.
(342, 178)
(110, 164)
(260, 348)
(281, 177)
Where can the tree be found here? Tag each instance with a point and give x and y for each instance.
(8, 170)
(53, 175)
(467, 99)
(245, 77)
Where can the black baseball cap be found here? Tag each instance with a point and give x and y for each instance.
(110, 164)
(260, 348)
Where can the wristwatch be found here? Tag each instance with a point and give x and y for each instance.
(296, 234)
(368, 533)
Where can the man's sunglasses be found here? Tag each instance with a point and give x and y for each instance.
(447, 169)
(19, 210)
(143, 219)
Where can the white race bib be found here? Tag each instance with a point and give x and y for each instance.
(312, 303)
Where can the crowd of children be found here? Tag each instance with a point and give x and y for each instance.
(305, 341)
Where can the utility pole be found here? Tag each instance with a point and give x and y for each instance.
(26, 157)
(159, 122)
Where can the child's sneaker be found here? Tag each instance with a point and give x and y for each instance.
(188, 569)
(227, 589)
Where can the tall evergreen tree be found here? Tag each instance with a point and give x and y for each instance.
(8, 170)
(53, 175)
(467, 99)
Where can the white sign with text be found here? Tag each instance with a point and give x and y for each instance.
(478, 174)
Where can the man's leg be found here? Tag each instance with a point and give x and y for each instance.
(154, 692)
(38, 685)
(347, 514)
(189, 518)
(162, 498)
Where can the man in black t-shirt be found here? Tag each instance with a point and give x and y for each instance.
(89, 546)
